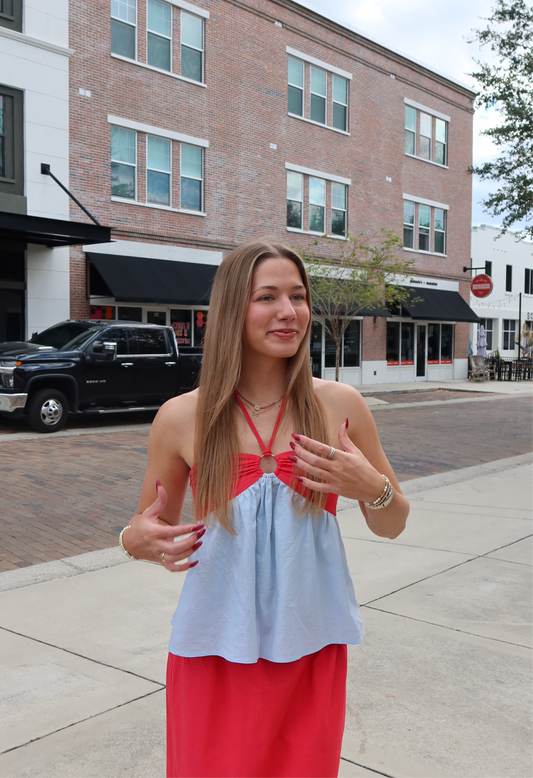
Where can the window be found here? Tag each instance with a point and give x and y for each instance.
(340, 103)
(433, 344)
(350, 352)
(296, 86)
(440, 231)
(11, 14)
(488, 268)
(192, 47)
(393, 343)
(509, 334)
(424, 225)
(159, 37)
(317, 204)
(426, 135)
(151, 341)
(488, 325)
(127, 313)
(508, 278)
(123, 27)
(338, 209)
(295, 189)
(123, 162)
(446, 344)
(528, 281)
(11, 142)
(408, 224)
(424, 141)
(410, 130)
(158, 171)
(180, 321)
(200, 322)
(191, 177)
(318, 95)
(408, 344)
(120, 337)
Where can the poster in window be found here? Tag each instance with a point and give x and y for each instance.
(180, 321)
(102, 312)
(200, 321)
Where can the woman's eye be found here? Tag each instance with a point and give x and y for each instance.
(298, 297)
(265, 298)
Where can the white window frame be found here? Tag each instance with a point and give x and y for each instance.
(510, 332)
(318, 205)
(435, 230)
(317, 94)
(156, 170)
(342, 210)
(191, 178)
(135, 25)
(160, 35)
(423, 135)
(333, 101)
(436, 115)
(133, 165)
(409, 226)
(292, 200)
(188, 46)
(529, 291)
(488, 330)
(296, 86)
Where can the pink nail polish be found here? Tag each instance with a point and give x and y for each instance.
(346, 422)
(296, 437)
(292, 445)
(157, 484)
(291, 458)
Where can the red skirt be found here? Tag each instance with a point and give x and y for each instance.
(262, 720)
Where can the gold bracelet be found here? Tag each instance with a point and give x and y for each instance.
(121, 543)
(384, 499)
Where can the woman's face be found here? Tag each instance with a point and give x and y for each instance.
(278, 311)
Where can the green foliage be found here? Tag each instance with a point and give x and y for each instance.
(508, 87)
(360, 280)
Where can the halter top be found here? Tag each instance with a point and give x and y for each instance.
(280, 588)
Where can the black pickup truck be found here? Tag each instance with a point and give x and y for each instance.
(93, 367)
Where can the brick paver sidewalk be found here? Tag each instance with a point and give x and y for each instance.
(62, 496)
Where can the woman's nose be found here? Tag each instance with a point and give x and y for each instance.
(286, 310)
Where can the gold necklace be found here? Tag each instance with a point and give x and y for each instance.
(258, 408)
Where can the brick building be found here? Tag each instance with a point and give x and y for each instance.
(197, 126)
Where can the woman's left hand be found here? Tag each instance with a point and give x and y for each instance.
(348, 473)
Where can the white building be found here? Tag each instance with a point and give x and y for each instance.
(509, 262)
(34, 129)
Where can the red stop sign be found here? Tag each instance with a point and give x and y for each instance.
(481, 286)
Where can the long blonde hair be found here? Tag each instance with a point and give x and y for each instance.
(216, 444)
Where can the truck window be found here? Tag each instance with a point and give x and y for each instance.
(120, 337)
(151, 341)
(60, 334)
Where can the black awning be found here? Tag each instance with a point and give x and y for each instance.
(20, 228)
(381, 312)
(438, 305)
(142, 280)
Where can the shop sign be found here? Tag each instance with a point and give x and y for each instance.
(481, 285)
(102, 312)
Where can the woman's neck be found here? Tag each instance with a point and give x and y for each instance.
(263, 380)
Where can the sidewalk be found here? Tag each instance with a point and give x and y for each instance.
(513, 388)
(440, 687)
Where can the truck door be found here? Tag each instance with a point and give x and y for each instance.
(107, 381)
(156, 365)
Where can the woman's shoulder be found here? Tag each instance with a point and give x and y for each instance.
(331, 393)
(175, 423)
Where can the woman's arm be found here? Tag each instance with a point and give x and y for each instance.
(357, 467)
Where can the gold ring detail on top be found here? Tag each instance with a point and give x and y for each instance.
(121, 543)
(331, 453)
(162, 557)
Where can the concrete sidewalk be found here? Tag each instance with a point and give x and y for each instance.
(440, 687)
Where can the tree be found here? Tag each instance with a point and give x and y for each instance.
(362, 279)
(508, 87)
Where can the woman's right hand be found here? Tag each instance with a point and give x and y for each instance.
(150, 539)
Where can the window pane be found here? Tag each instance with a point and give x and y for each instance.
(439, 219)
(191, 161)
(446, 343)
(408, 212)
(123, 145)
(294, 214)
(508, 278)
(440, 153)
(180, 321)
(122, 39)
(393, 343)
(351, 344)
(1, 115)
(440, 130)
(329, 351)
(439, 242)
(317, 191)
(151, 341)
(408, 237)
(408, 344)
(318, 81)
(123, 180)
(295, 186)
(316, 218)
(191, 64)
(424, 147)
(192, 30)
(433, 344)
(160, 17)
(424, 215)
(158, 153)
(191, 194)
(318, 109)
(120, 337)
(338, 195)
(409, 142)
(124, 10)
(158, 187)
(296, 72)
(423, 239)
(200, 323)
(130, 314)
(158, 52)
(339, 116)
(425, 125)
(410, 118)
(338, 222)
(340, 90)
(296, 101)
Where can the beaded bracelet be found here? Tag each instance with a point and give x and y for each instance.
(121, 543)
(384, 499)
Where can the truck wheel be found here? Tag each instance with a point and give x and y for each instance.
(47, 411)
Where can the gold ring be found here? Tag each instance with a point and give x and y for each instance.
(162, 557)
(331, 453)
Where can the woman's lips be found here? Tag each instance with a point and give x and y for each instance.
(284, 334)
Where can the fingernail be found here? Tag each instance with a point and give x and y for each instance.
(299, 479)
(193, 564)
(196, 545)
(292, 445)
(200, 534)
(346, 422)
(198, 528)
(157, 484)
(296, 437)
(291, 458)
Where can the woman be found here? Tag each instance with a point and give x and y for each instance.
(256, 679)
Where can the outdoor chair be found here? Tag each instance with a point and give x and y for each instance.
(478, 370)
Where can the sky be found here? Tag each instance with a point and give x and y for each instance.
(436, 35)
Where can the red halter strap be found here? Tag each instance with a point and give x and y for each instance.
(267, 452)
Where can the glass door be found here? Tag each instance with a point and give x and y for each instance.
(317, 362)
(420, 351)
